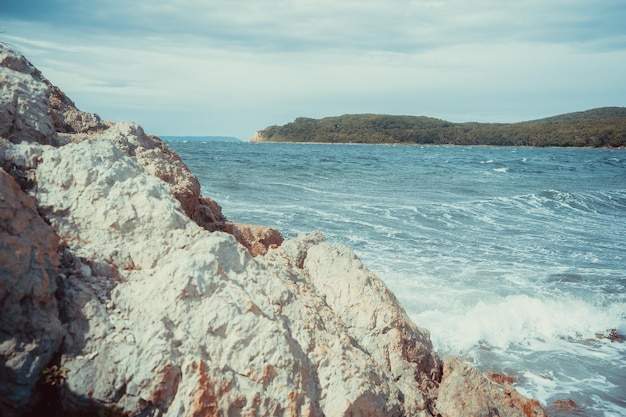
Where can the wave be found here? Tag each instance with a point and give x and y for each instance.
(552, 201)
(520, 320)
(550, 345)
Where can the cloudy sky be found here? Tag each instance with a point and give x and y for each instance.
(231, 67)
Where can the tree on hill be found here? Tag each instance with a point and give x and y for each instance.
(592, 128)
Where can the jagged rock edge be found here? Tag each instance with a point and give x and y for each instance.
(79, 269)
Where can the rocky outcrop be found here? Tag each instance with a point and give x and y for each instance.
(33, 109)
(257, 239)
(158, 160)
(23, 101)
(120, 282)
(464, 392)
(66, 117)
(30, 329)
(258, 137)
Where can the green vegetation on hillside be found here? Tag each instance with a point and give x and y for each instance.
(593, 128)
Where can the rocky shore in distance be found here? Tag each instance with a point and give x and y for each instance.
(126, 292)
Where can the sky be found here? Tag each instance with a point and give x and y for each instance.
(231, 67)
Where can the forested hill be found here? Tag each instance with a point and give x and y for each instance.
(594, 128)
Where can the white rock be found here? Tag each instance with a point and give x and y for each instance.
(85, 271)
(200, 309)
(23, 101)
(164, 318)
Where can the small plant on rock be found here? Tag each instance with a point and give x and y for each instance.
(54, 375)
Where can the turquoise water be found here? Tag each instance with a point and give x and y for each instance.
(513, 258)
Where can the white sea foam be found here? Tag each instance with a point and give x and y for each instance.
(518, 319)
(551, 343)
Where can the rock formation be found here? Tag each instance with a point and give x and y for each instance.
(30, 329)
(125, 291)
(258, 137)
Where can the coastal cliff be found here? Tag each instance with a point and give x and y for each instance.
(126, 292)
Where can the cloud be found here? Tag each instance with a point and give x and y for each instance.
(269, 61)
(295, 25)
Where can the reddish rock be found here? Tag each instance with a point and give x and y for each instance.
(67, 118)
(205, 397)
(501, 379)
(567, 404)
(209, 214)
(464, 392)
(257, 239)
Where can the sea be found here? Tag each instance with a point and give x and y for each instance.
(513, 258)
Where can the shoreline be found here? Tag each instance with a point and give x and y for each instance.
(438, 145)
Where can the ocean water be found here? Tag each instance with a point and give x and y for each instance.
(513, 258)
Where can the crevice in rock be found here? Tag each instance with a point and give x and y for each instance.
(48, 392)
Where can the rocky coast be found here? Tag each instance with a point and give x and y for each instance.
(126, 292)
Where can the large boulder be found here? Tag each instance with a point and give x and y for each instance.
(465, 392)
(158, 160)
(373, 316)
(164, 163)
(183, 305)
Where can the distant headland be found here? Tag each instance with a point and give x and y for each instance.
(601, 127)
